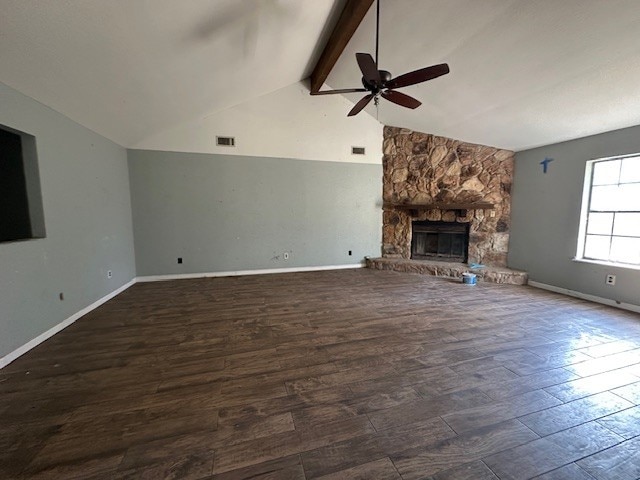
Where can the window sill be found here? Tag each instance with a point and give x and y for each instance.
(607, 264)
(20, 240)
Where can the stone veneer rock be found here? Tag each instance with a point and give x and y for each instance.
(419, 168)
(446, 269)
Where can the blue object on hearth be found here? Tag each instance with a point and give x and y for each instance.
(469, 278)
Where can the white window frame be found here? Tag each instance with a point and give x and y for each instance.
(584, 214)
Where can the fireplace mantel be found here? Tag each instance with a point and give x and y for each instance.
(460, 208)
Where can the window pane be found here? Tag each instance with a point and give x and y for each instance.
(606, 172)
(597, 247)
(630, 170)
(625, 250)
(612, 223)
(627, 224)
(604, 198)
(628, 198)
(600, 223)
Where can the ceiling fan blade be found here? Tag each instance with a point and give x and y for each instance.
(344, 90)
(360, 105)
(418, 76)
(401, 99)
(368, 68)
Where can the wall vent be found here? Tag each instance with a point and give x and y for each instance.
(226, 141)
(357, 150)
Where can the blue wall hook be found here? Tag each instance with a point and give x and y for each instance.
(545, 164)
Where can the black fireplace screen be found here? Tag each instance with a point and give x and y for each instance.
(446, 241)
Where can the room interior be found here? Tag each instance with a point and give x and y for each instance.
(223, 277)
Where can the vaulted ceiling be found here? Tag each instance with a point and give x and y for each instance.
(523, 72)
(130, 68)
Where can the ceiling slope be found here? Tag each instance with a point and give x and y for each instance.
(523, 73)
(130, 68)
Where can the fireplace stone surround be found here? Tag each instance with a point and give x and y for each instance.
(428, 177)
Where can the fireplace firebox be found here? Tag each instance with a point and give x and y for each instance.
(444, 241)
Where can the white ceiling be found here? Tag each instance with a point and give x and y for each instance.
(128, 69)
(523, 72)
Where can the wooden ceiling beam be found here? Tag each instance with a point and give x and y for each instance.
(351, 16)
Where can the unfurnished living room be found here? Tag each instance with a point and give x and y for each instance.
(320, 239)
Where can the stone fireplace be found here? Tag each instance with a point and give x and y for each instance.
(464, 189)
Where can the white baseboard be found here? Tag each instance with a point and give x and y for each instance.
(585, 296)
(7, 359)
(180, 276)
(10, 357)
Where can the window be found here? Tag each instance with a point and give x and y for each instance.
(610, 221)
(21, 212)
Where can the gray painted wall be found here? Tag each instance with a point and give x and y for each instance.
(87, 213)
(229, 213)
(546, 216)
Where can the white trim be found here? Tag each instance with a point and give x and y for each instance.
(630, 266)
(10, 357)
(584, 208)
(585, 296)
(180, 276)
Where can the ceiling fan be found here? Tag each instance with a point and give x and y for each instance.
(381, 83)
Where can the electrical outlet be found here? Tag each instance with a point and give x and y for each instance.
(349, 252)
(610, 280)
(285, 255)
(179, 259)
(109, 274)
(61, 296)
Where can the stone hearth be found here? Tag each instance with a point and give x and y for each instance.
(427, 177)
(448, 269)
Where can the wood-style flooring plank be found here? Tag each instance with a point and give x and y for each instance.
(549, 453)
(335, 374)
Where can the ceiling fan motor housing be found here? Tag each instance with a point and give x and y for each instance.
(385, 76)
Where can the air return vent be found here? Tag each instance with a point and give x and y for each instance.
(357, 150)
(226, 141)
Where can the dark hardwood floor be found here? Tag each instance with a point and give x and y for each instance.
(351, 374)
